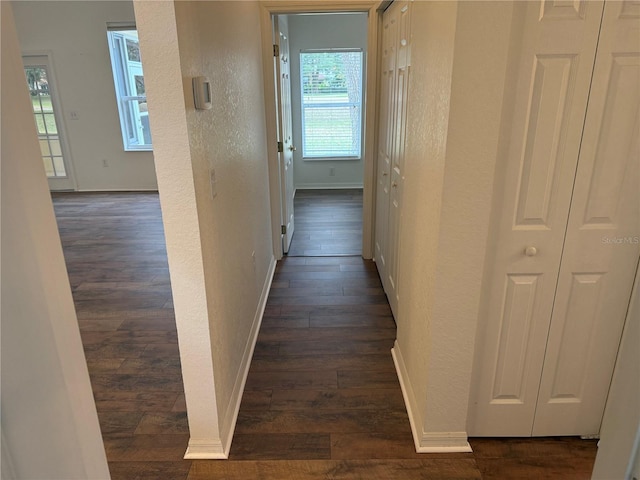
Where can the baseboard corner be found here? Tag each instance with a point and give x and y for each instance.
(205, 450)
(425, 442)
(444, 442)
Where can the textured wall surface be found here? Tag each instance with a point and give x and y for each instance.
(219, 245)
(314, 32)
(75, 33)
(459, 59)
(223, 42)
(473, 145)
(159, 43)
(432, 33)
(49, 424)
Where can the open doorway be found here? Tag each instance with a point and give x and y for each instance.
(324, 56)
(322, 174)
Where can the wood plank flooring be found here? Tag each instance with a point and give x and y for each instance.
(327, 223)
(116, 258)
(322, 400)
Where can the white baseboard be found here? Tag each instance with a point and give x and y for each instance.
(327, 186)
(205, 450)
(113, 190)
(425, 442)
(407, 393)
(444, 442)
(219, 448)
(229, 422)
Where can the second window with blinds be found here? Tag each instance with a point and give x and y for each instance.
(331, 91)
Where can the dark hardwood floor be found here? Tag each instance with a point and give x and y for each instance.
(116, 258)
(327, 223)
(322, 400)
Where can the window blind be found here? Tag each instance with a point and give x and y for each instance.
(331, 89)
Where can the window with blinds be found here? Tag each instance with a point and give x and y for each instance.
(331, 89)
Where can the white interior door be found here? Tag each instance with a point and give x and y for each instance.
(602, 243)
(385, 141)
(391, 143)
(49, 124)
(285, 157)
(555, 63)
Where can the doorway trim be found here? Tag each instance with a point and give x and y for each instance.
(267, 10)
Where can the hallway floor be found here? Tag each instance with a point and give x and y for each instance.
(322, 400)
(327, 223)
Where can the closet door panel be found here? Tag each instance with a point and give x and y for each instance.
(385, 142)
(553, 73)
(391, 139)
(602, 244)
(397, 164)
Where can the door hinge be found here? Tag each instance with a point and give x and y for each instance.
(283, 229)
(276, 50)
(280, 147)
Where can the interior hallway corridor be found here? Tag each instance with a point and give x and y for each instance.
(322, 400)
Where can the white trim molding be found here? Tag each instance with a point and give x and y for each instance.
(270, 8)
(425, 442)
(119, 190)
(216, 449)
(328, 186)
(443, 442)
(229, 422)
(205, 450)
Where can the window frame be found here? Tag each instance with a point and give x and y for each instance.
(122, 70)
(360, 105)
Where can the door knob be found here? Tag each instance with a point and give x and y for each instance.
(531, 251)
(292, 148)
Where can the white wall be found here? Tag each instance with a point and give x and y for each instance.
(323, 31)
(219, 247)
(74, 32)
(49, 422)
(459, 55)
(621, 422)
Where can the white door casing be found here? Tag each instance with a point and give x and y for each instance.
(602, 243)
(267, 10)
(283, 85)
(554, 69)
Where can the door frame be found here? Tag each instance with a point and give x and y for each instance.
(60, 119)
(273, 7)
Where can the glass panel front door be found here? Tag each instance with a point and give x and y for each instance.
(50, 147)
(45, 109)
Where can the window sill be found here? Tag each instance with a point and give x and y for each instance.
(330, 159)
(139, 149)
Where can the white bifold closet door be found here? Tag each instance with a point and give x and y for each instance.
(394, 81)
(566, 242)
